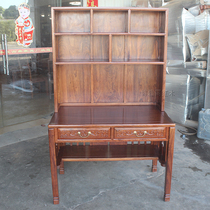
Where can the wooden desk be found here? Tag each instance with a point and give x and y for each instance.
(112, 137)
(109, 88)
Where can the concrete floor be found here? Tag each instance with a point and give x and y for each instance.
(25, 180)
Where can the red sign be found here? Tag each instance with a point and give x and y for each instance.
(20, 30)
(92, 3)
(24, 26)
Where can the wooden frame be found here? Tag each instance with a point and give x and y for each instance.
(109, 88)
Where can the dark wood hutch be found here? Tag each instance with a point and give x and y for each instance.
(109, 68)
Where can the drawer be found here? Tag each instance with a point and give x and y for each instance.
(138, 133)
(84, 133)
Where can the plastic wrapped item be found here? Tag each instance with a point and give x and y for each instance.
(176, 7)
(185, 83)
(182, 22)
(156, 3)
(140, 3)
(198, 44)
(185, 71)
(207, 89)
(188, 22)
(197, 65)
(195, 11)
(207, 93)
(147, 3)
(202, 21)
(206, 2)
(182, 100)
(204, 124)
(178, 48)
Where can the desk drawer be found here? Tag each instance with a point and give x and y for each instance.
(84, 133)
(139, 133)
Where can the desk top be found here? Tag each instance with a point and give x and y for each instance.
(77, 116)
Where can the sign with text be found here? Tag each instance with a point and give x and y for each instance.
(24, 26)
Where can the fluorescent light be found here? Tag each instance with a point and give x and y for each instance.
(75, 3)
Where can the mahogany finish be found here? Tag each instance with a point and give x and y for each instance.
(117, 115)
(109, 84)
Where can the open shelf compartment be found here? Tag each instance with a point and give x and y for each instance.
(82, 48)
(105, 25)
(72, 21)
(147, 21)
(109, 152)
(85, 83)
(136, 48)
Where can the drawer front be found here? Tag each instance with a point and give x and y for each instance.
(84, 133)
(139, 133)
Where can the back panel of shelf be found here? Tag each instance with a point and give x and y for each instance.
(82, 48)
(147, 21)
(143, 83)
(108, 83)
(72, 21)
(73, 83)
(124, 48)
(137, 48)
(98, 84)
(110, 21)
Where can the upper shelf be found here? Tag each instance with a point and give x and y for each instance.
(83, 20)
(145, 62)
(132, 49)
(108, 33)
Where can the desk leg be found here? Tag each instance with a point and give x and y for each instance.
(62, 167)
(54, 176)
(154, 165)
(169, 164)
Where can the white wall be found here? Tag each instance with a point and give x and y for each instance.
(111, 3)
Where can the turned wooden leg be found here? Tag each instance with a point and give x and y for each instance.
(169, 163)
(154, 165)
(61, 170)
(53, 164)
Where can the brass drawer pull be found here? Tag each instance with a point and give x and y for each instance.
(79, 133)
(135, 132)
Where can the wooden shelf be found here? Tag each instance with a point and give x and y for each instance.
(108, 152)
(68, 9)
(108, 33)
(129, 20)
(104, 62)
(119, 62)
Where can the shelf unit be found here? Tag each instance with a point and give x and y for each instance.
(109, 84)
(125, 37)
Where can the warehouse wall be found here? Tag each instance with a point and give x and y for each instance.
(111, 3)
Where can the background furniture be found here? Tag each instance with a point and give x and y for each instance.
(109, 88)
